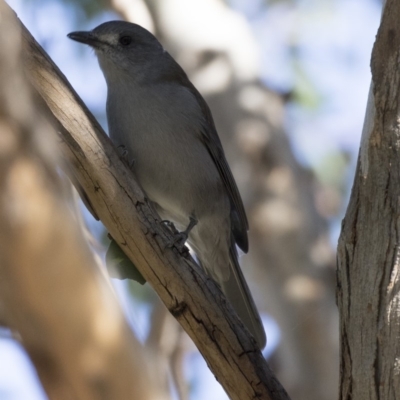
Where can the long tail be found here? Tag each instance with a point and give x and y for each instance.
(238, 293)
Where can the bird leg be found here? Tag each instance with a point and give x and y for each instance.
(180, 238)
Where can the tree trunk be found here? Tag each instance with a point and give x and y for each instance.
(369, 245)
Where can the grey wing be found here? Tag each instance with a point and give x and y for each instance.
(209, 136)
(239, 221)
(211, 140)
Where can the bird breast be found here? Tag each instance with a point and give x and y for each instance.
(160, 126)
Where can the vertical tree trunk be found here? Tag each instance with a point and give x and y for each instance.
(369, 245)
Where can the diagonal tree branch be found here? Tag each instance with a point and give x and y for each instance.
(194, 299)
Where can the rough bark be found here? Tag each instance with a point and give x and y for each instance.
(51, 290)
(369, 245)
(194, 299)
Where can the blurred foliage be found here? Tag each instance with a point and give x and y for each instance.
(332, 169)
(86, 9)
(89, 7)
(305, 92)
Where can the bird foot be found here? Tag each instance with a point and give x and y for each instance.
(179, 239)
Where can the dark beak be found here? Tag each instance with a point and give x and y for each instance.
(85, 37)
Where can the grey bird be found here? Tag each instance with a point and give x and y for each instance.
(165, 125)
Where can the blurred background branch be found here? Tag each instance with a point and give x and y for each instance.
(51, 290)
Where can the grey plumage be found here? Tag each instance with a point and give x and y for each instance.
(166, 126)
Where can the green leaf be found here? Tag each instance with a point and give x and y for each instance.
(120, 266)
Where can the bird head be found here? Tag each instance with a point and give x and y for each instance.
(122, 47)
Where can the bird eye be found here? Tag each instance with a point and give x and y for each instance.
(125, 40)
